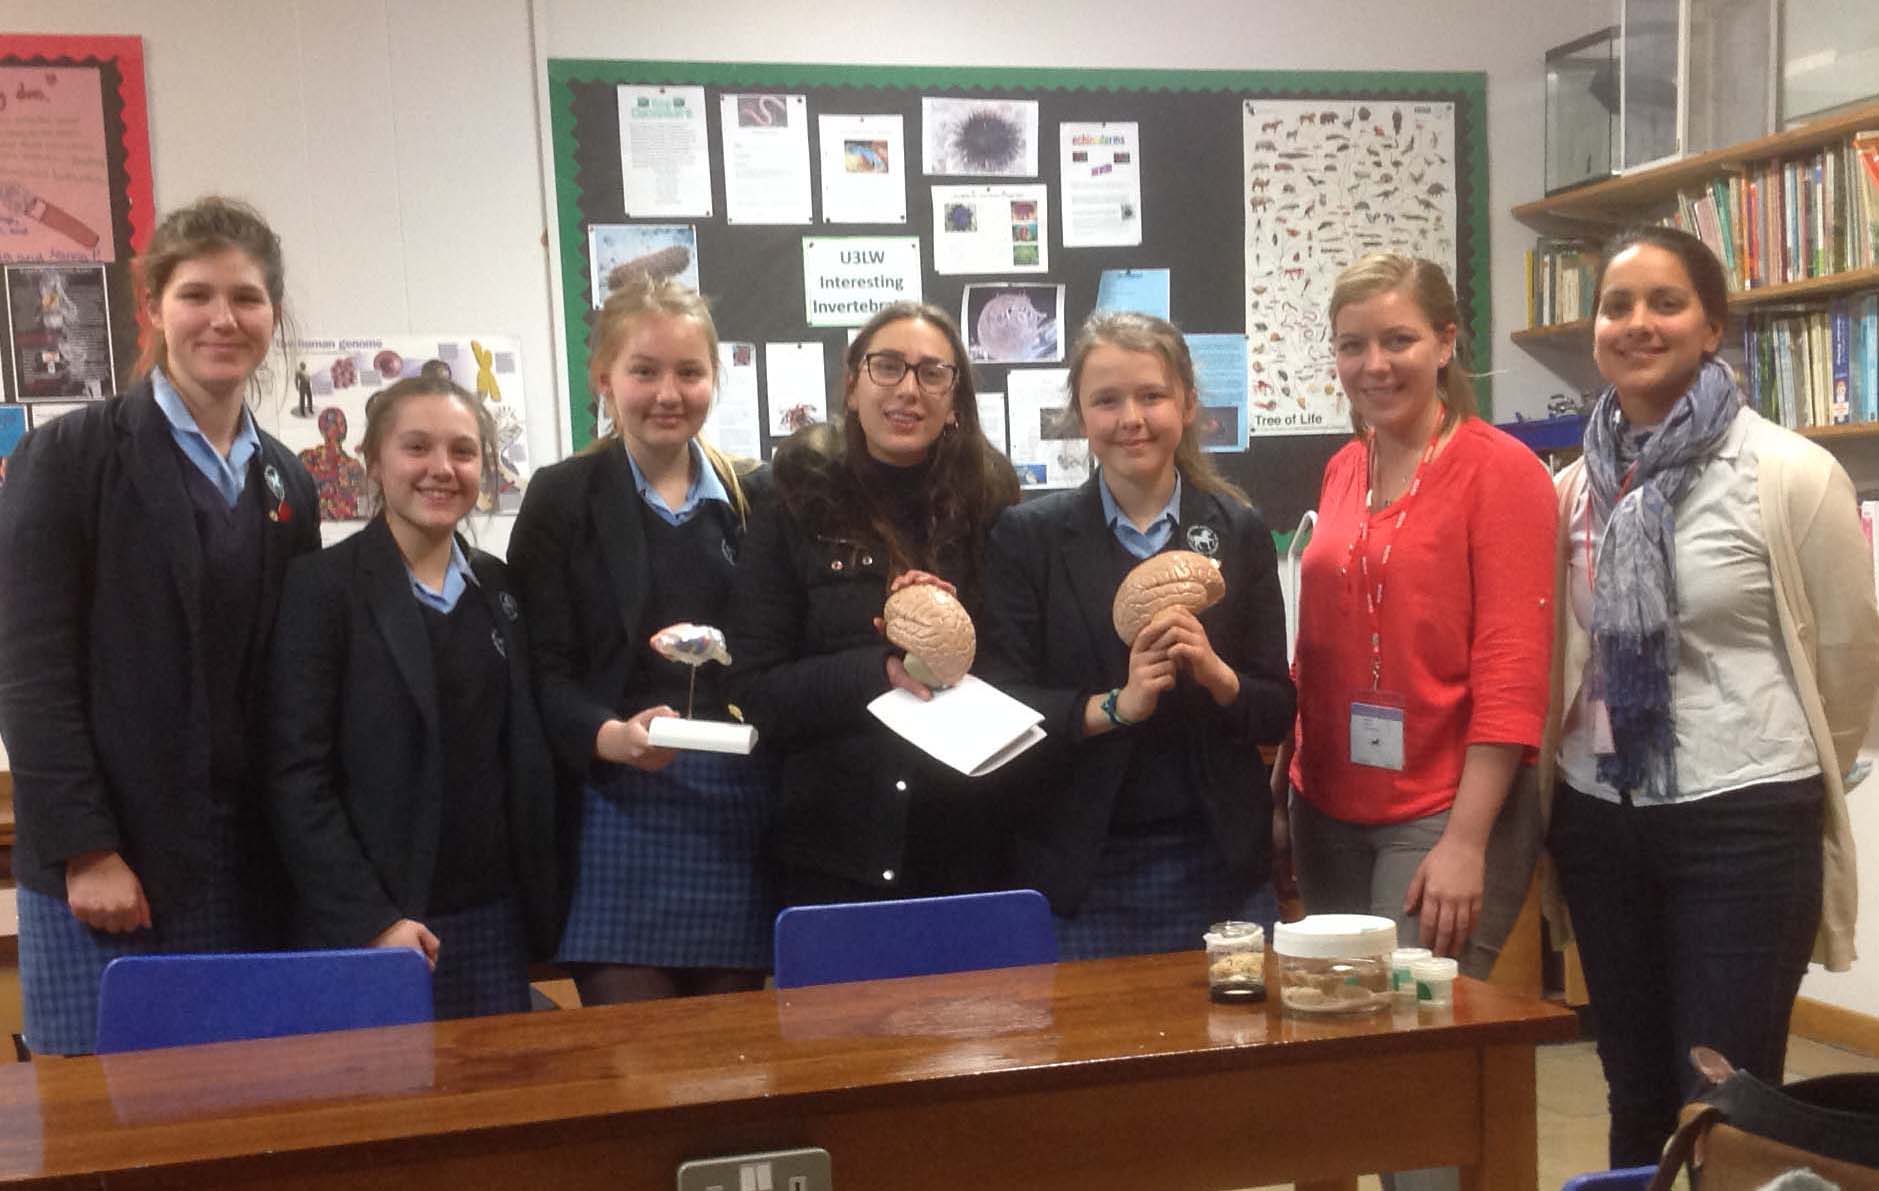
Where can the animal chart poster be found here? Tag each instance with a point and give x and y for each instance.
(1326, 182)
(321, 415)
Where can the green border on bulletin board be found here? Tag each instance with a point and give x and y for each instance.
(1466, 87)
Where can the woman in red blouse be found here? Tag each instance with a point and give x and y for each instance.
(1423, 638)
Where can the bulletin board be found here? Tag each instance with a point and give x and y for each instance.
(1231, 166)
(75, 207)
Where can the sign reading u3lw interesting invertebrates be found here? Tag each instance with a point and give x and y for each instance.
(1327, 181)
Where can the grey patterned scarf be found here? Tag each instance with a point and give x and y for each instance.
(1634, 593)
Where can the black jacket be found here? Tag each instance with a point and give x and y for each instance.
(1048, 639)
(578, 554)
(356, 767)
(103, 700)
(807, 660)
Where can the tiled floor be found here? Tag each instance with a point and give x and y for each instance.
(1572, 1103)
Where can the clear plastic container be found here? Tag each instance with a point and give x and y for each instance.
(1334, 963)
(1402, 982)
(1236, 961)
(1435, 982)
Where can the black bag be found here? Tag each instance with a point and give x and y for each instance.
(1744, 1134)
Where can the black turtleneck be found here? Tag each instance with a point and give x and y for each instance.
(900, 493)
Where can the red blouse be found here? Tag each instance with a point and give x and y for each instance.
(1466, 623)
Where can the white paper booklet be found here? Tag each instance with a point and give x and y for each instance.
(973, 727)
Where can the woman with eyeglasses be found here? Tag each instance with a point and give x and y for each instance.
(903, 491)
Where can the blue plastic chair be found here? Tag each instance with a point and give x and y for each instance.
(147, 1001)
(921, 936)
(1635, 1179)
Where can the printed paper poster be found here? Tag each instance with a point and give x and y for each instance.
(1144, 291)
(1328, 180)
(979, 137)
(55, 183)
(795, 386)
(323, 415)
(665, 154)
(847, 278)
(991, 229)
(736, 423)
(766, 158)
(864, 169)
(61, 333)
(992, 421)
(659, 249)
(1220, 377)
(1008, 323)
(40, 413)
(1102, 184)
(1048, 449)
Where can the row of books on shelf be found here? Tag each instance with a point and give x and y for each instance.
(1559, 281)
(1816, 366)
(1791, 219)
(1775, 223)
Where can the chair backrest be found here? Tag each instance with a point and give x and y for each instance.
(148, 1001)
(1635, 1179)
(920, 936)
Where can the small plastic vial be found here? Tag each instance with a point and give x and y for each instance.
(1236, 962)
(1435, 982)
(1402, 983)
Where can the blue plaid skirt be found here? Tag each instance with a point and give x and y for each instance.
(1159, 891)
(62, 960)
(482, 960)
(672, 871)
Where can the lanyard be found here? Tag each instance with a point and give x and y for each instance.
(1360, 544)
(1591, 552)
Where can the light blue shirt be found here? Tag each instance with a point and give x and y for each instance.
(705, 486)
(457, 578)
(1142, 543)
(229, 475)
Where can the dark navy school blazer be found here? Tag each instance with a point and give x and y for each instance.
(102, 694)
(1048, 639)
(355, 781)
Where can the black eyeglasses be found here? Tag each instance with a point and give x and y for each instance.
(933, 376)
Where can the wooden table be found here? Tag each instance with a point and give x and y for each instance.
(1100, 1076)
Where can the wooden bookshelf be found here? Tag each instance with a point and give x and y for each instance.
(1556, 335)
(1852, 281)
(1618, 201)
(1845, 433)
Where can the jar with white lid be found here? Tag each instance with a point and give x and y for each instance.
(1435, 982)
(1400, 978)
(1334, 963)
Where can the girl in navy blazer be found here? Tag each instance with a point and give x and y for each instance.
(145, 539)
(642, 530)
(1145, 814)
(409, 781)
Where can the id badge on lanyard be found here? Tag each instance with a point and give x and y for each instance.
(1377, 716)
(1377, 730)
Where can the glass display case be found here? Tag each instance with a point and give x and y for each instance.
(1653, 78)
(1829, 55)
(1581, 110)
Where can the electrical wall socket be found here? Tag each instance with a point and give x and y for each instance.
(779, 1170)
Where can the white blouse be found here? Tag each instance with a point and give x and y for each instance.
(1738, 716)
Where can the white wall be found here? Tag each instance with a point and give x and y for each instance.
(391, 143)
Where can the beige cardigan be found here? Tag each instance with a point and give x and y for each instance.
(1823, 578)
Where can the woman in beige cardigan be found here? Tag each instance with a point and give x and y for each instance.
(1718, 647)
